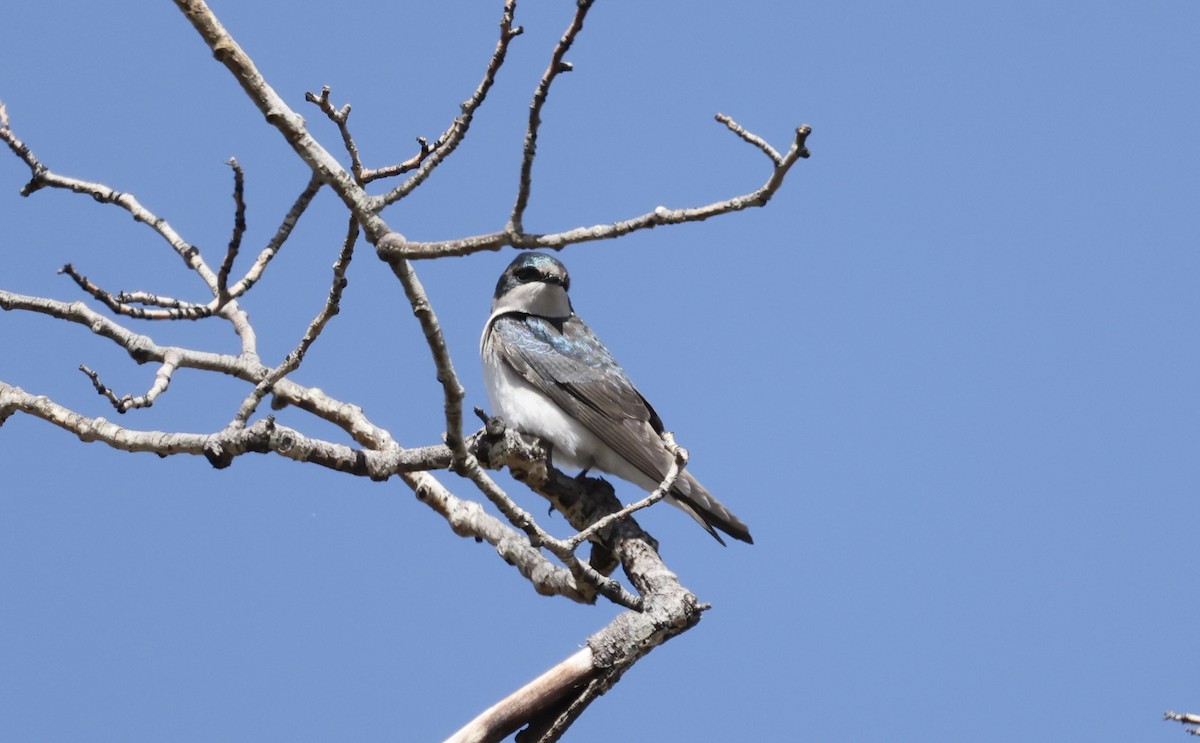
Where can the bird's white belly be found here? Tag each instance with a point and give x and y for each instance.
(528, 410)
(524, 408)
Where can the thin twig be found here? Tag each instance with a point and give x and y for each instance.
(296, 357)
(341, 118)
(42, 177)
(752, 138)
(157, 300)
(556, 67)
(281, 235)
(124, 303)
(678, 462)
(363, 175)
(445, 145)
(239, 229)
(246, 367)
(162, 379)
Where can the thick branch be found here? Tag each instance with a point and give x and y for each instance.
(555, 699)
(522, 519)
(466, 518)
(506, 716)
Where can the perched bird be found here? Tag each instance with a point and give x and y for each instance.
(548, 375)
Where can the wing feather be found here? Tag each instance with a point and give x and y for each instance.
(570, 364)
(566, 361)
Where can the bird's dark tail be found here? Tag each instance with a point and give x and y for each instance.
(693, 498)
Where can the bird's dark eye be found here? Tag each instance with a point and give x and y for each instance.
(527, 274)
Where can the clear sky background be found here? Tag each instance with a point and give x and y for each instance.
(948, 376)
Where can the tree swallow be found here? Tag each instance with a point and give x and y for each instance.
(549, 376)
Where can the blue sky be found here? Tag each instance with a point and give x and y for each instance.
(948, 376)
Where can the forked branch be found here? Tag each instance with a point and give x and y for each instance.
(393, 247)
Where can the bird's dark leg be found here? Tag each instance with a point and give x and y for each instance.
(603, 559)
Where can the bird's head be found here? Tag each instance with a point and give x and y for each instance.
(534, 284)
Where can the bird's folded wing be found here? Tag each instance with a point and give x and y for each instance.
(572, 367)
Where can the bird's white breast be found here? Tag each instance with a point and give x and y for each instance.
(527, 409)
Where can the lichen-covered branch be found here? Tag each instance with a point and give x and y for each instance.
(221, 448)
(551, 702)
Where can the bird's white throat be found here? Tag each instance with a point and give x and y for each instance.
(535, 298)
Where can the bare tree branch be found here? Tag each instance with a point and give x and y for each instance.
(506, 716)
(753, 139)
(468, 519)
(281, 235)
(340, 118)
(450, 139)
(1187, 718)
(395, 246)
(162, 379)
(296, 357)
(143, 349)
(239, 229)
(42, 177)
(279, 115)
(557, 698)
(125, 303)
(556, 67)
(465, 518)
